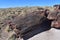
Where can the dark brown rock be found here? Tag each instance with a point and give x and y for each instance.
(46, 12)
(26, 22)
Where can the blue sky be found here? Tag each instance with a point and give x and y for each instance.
(18, 3)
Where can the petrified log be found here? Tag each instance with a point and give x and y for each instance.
(26, 22)
(56, 23)
(52, 15)
(57, 6)
(47, 12)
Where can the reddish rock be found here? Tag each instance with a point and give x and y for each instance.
(57, 6)
(56, 23)
(52, 15)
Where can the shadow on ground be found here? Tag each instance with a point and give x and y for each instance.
(38, 29)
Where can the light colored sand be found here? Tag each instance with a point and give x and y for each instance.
(52, 34)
